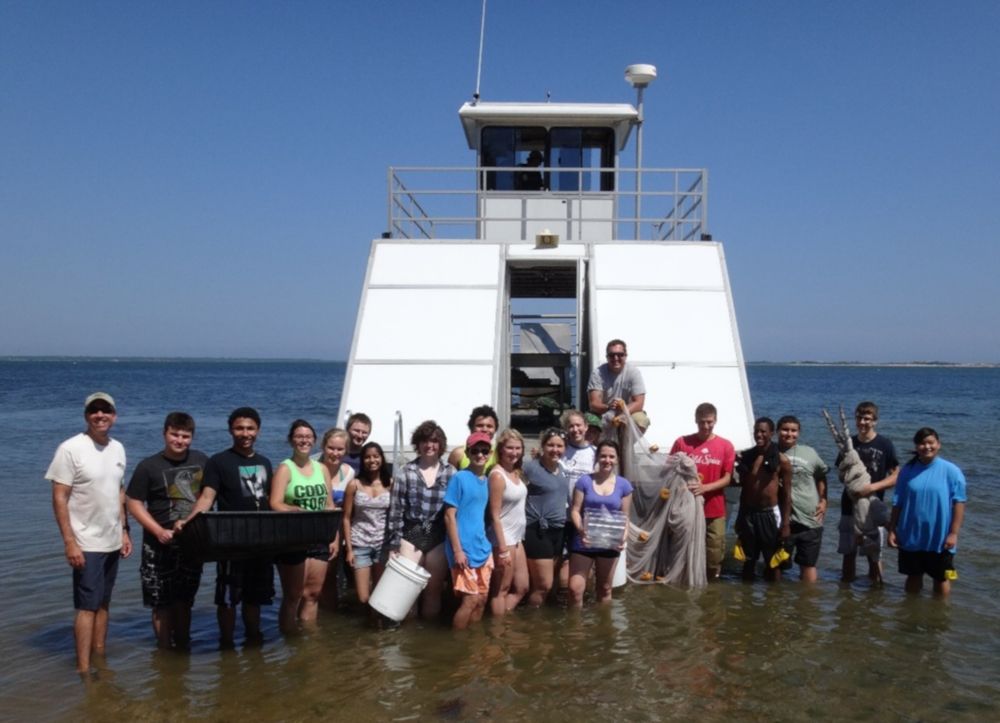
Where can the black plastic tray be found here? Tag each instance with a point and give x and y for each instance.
(240, 535)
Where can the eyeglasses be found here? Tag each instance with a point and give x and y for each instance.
(617, 355)
(483, 451)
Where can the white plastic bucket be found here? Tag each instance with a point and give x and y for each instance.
(621, 571)
(399, 587)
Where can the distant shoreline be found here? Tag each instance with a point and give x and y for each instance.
(166, 359)
(909, 364)
(248, 360)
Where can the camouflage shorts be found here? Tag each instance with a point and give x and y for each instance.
(168, 576)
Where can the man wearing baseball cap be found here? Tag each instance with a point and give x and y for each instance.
(87, 472)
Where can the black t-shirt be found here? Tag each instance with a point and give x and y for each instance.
(879, 458)
(241, 484)
(168, 487)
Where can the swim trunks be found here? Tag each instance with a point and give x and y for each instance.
(168, 575)
(922, 562)
(807, 541)
(758, 531)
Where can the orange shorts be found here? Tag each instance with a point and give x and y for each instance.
(474, 580)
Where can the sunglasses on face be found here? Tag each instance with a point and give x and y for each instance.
(105, 408)
(480, 451)
(617, 355)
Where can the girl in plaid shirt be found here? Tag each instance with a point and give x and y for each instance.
(415, 525)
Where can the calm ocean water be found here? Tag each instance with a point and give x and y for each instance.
(733, 652)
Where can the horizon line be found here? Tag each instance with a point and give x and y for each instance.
(319, 360)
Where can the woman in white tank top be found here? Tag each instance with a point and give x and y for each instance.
(506, 529)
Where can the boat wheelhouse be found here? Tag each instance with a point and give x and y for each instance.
(501, 283)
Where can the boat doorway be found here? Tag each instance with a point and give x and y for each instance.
(547, 334)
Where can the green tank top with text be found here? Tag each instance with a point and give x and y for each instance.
(307, 493)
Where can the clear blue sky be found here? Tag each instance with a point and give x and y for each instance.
(205, 178)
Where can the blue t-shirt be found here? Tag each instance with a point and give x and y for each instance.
(594, 501)
(924, 495)
(469, 495)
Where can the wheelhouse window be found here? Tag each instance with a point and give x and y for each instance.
(518, 148)
(536, 154)
(585, 151)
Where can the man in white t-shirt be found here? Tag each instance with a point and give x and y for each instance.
(87, 472)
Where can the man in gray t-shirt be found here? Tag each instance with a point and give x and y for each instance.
(615, 388)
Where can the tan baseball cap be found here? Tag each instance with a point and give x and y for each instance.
(100, 397)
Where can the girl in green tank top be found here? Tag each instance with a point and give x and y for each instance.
(307, 492)
(302, 485)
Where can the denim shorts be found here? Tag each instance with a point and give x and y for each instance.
(365, 556)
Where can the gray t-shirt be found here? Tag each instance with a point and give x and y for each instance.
(625, 385)
(807, 467)
(546, 503)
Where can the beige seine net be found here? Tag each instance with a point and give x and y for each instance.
(666, 537)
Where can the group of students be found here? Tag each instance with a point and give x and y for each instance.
(783, 501)
(504, 522)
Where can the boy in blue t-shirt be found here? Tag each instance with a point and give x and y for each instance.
(928, 508)
(469, 552)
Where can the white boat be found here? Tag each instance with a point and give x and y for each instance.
(501, 283)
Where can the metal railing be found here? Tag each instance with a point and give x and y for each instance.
(451, 202)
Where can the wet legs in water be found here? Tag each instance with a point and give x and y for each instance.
(90, 629)
(364, 579)
(226, 616)
(541, 572)
(470, 610)
(292, 585)
(915, 583)
(509, 583)
(579, 572)
(848, 571)
(172, 625)
(315, 574)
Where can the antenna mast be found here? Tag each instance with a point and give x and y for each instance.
(479, 65)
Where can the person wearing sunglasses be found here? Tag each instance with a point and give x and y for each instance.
(470, 554)
(88, 498)
(482, 419)
(615, 388)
